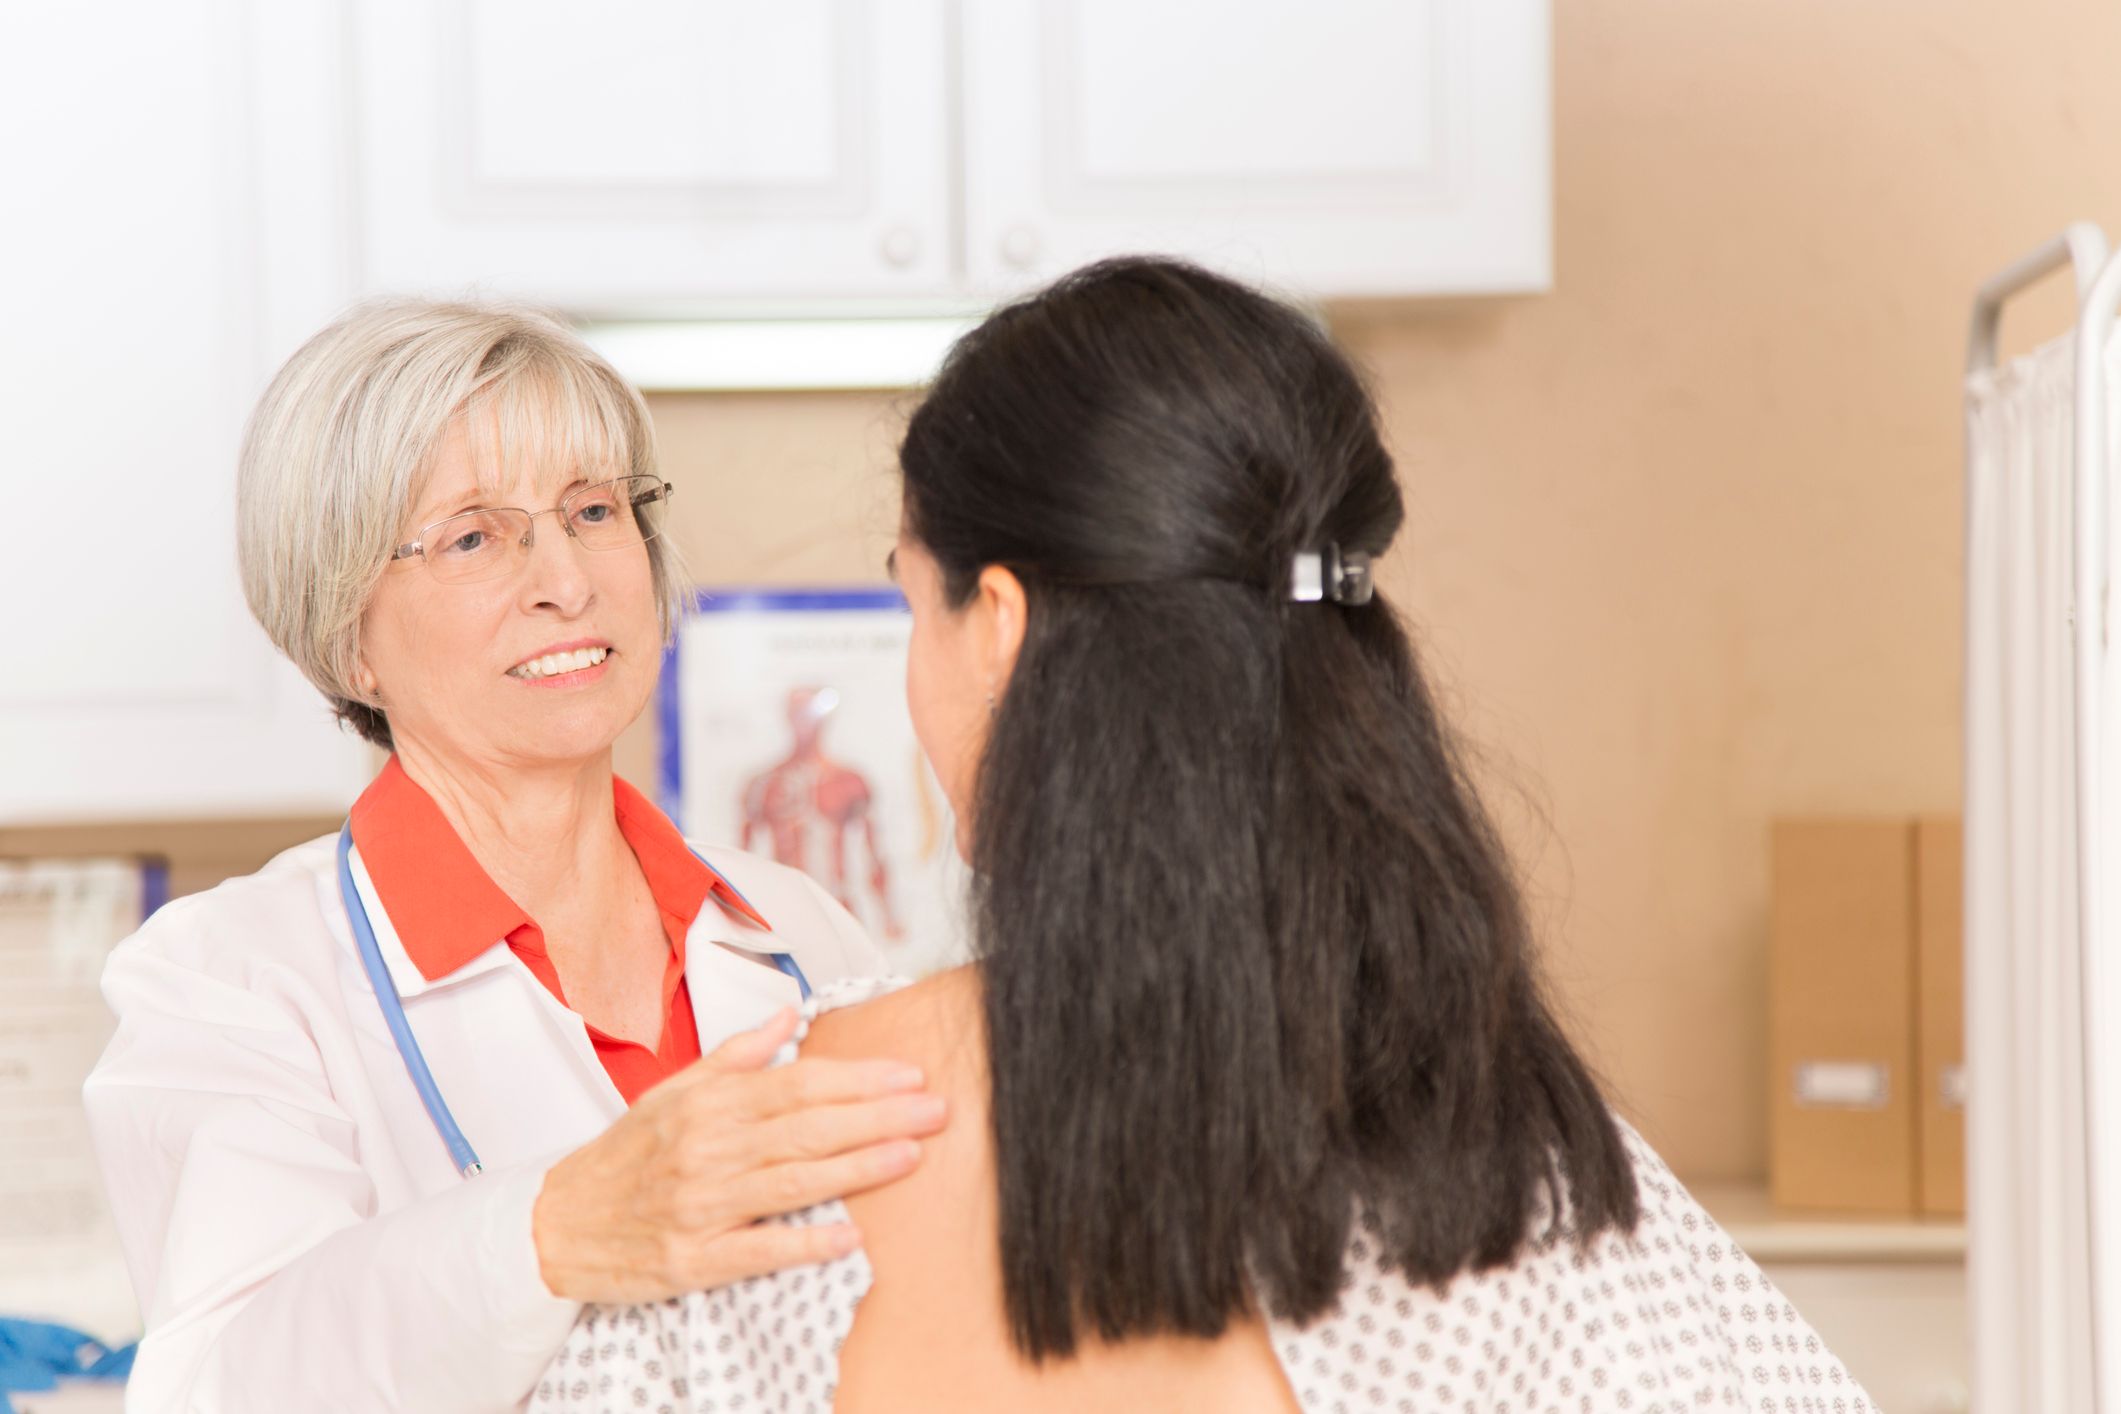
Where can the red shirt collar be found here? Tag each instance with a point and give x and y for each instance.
(447, 909)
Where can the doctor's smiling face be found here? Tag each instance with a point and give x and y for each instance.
(544, 662)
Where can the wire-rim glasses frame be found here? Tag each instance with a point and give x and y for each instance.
(475, 545)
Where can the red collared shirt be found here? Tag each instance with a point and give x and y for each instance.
(447, 909)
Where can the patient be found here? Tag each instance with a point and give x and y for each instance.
(1256, 1102)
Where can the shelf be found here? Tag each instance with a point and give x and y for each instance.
(1769, 1234)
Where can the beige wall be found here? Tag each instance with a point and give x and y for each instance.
(1685, 532)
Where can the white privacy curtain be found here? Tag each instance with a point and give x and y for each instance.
(2028, 1201)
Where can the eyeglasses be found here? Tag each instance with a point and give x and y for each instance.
(611, 515)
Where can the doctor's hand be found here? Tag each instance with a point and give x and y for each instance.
(668, 1199)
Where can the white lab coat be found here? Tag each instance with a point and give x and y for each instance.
(297, 1235)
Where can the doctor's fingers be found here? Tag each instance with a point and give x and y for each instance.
(803, 1085)
(821, 1131)
(766, 1247)
(791, 1187)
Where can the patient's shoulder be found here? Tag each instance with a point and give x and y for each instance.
(933, 1023)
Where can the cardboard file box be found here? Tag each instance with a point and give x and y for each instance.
(1841, 1016)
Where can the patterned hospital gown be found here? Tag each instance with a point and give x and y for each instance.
(1671, 1317)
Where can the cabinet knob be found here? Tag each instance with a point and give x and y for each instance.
(900, 247)
(1021, 247)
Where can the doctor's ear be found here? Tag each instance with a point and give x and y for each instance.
(1001, 606)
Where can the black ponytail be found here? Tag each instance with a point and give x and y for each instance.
(1254, 966)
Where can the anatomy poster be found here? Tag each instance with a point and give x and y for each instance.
(785, 733)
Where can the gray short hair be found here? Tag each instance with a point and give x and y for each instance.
(340, 446)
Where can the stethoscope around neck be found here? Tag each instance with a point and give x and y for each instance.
(460, 1151)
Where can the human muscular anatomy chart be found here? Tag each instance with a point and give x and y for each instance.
(785, 732)
(816, 811)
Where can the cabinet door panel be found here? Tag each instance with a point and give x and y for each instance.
(119, 412)
(134, 681)
(627, 156)
(1147, 93)
(1346, 147)
(640, 98)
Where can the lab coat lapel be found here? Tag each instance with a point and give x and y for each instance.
(730, 974)
(533, 1082)
(514, 1066)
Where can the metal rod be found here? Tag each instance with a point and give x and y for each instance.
(2081, 246)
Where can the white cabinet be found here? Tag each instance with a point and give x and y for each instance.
(134, 682)
(612, 156)
(664, 157)
(197, 186)
(1339, 147)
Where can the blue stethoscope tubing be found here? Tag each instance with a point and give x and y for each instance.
(460, 1151)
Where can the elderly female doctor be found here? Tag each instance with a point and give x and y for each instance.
(448, 520)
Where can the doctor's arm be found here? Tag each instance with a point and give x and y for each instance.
(269, 1279)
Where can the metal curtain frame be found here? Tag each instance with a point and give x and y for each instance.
(2102, 971)
(2083, 247)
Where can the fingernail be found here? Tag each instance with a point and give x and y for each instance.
(905, 1077)
(846, 1239)
(928, 1109)
(905, 1153)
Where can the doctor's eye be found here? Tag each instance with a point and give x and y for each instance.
(597, 505)
(467, 537)
(611, 515)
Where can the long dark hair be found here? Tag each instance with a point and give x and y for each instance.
(1254, 963)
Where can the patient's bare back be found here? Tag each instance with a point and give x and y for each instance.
(932, 1334)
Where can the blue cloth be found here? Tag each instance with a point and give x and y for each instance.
(36, 1355)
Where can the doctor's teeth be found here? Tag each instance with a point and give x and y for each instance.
(553, 664)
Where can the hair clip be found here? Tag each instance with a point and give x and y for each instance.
(1331, 573)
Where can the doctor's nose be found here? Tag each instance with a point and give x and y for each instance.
(554, 568)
